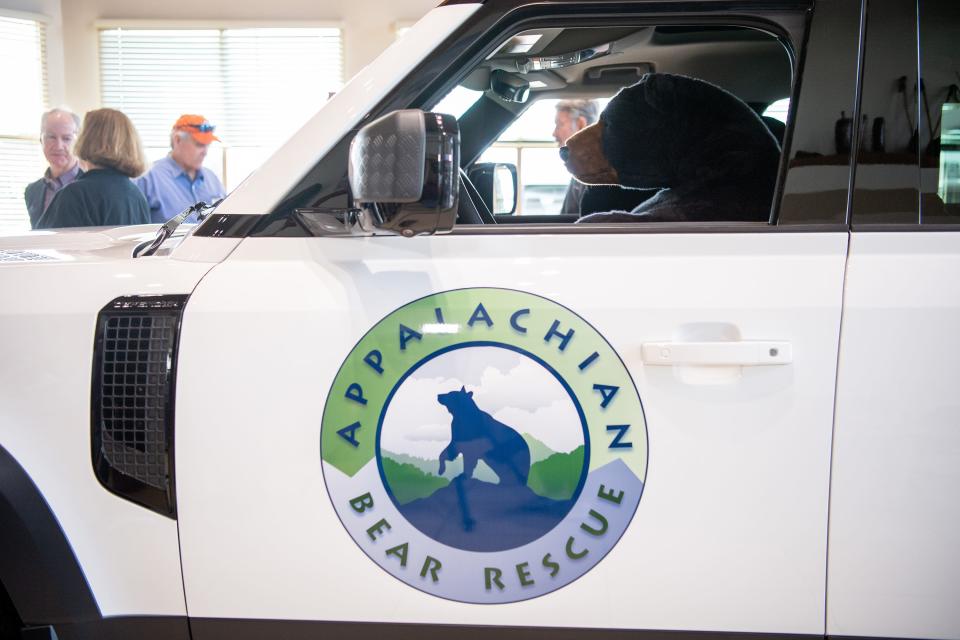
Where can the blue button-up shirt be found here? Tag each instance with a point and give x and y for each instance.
(169, 190)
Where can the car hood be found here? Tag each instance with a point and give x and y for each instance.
(83, 243)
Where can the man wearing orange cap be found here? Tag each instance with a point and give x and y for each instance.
(180, 180)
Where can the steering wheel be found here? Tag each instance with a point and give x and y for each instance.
(472, 209)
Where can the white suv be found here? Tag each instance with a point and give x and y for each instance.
(357, 399)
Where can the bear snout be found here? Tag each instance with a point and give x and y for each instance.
(583, 155)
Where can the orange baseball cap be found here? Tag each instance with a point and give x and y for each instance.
(198, 127)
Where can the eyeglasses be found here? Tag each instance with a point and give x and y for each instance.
(206, 127)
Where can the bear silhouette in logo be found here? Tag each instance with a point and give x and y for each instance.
(476, 435)
(474, 515)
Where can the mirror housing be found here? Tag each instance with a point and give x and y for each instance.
(509, 86)
(497, 185)
(404, 172)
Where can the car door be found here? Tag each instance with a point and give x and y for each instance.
(653, 405)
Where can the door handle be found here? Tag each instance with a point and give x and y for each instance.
(741, 353)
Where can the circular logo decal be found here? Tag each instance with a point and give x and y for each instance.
(484, 445)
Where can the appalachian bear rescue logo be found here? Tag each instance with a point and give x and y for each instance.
(484, 445)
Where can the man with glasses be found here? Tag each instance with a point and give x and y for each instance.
(58, 132)
(180, 180)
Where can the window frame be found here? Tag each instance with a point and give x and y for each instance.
(789, 21)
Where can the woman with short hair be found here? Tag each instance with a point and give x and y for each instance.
(110, 154)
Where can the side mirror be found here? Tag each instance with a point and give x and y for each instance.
(496, 183)
(404, 172)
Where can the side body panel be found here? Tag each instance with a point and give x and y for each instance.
(731, 531)
(129, 556)
(895, 505)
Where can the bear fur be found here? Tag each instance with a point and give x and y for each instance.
(476, 435)
(708, 154)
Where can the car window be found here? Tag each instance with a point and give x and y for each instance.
(816, 181)
(888, 160)
(458, 101)
(513, 107)
(940, 95)
(908, 163)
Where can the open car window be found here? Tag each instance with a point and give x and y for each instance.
(511, 105)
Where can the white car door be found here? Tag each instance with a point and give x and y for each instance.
(730, 533)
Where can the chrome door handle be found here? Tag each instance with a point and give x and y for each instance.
(745, 353)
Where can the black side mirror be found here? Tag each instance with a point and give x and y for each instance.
(497, 184)
(404, 172)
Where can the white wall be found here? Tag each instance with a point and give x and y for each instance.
(72, 37)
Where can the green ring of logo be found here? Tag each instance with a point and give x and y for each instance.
(578, 356)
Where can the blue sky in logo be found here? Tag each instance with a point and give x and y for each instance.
(512, 388)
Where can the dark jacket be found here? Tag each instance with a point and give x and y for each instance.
(100, 197)
(33, 195)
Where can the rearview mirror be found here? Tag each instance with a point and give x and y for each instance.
(404, 172)
(509, 86)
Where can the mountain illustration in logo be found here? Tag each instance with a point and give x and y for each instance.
(499, 500)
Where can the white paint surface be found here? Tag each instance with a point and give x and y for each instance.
(895, 505)
(129, 555)
(731, 532)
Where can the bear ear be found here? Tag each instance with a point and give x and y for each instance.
(470, 394)
(462, 389)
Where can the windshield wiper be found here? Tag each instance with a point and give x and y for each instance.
(202, 209)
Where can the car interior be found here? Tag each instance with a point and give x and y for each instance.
(549, 64)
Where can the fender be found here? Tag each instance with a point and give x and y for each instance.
(37, 564)
(43, 577)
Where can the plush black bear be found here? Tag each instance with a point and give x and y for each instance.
(709, 154)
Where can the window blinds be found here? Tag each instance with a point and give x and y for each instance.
(21, 162)
(21, 158)
(258, 85)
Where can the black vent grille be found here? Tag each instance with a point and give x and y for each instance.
(133, 392)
